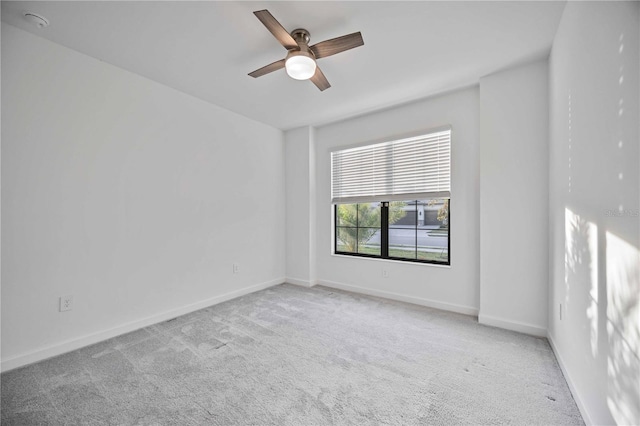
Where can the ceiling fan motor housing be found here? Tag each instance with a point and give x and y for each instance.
(301, 36)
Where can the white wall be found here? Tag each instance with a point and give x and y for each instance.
(594, 246)
(514, 198)
(300, 201)
(131, 196)
(455, 287)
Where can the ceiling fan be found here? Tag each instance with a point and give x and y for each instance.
(300, 62)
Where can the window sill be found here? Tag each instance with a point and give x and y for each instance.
(403, 262)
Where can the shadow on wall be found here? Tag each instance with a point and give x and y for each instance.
(602, 281)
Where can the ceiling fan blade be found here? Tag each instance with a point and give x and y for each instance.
(320, 80)
(337, 45)
(267, 69)
(276, 29)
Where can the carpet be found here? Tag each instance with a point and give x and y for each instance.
(291, 355)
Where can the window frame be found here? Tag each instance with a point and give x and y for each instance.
(384, 238)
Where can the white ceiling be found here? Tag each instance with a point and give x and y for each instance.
(412, 49)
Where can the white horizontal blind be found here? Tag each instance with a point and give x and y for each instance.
(412, 168)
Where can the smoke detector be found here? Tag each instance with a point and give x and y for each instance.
(37, 20)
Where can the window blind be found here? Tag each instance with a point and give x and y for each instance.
(411, 168)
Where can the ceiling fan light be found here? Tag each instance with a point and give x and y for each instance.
(300, 66)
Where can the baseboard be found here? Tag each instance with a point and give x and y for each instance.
(466, 310)
(300, 282)
(520, 327)
(567, 377)
(90, 339)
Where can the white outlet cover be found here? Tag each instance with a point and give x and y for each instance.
(66, 303)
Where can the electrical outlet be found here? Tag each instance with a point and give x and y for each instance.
(385, 273)
(236, 268)
(66, 303)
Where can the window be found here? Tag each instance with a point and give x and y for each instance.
(415, 230)
(392, 199)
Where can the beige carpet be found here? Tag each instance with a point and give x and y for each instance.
(295, 356)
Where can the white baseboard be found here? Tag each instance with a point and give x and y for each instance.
(576, 396)
(520, 327)
(466, 310)
(90, 339)
(298, 281)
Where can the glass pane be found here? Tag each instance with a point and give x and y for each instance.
(347, 240)
(402, 214)
(346, 215)
(402, 229)
(402, 242)
(433, 255)
(369, 241)
(369, 215)
(433, 230)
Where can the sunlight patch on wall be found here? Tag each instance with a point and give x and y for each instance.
(623, 329)
(581, 266)
(592, 310)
